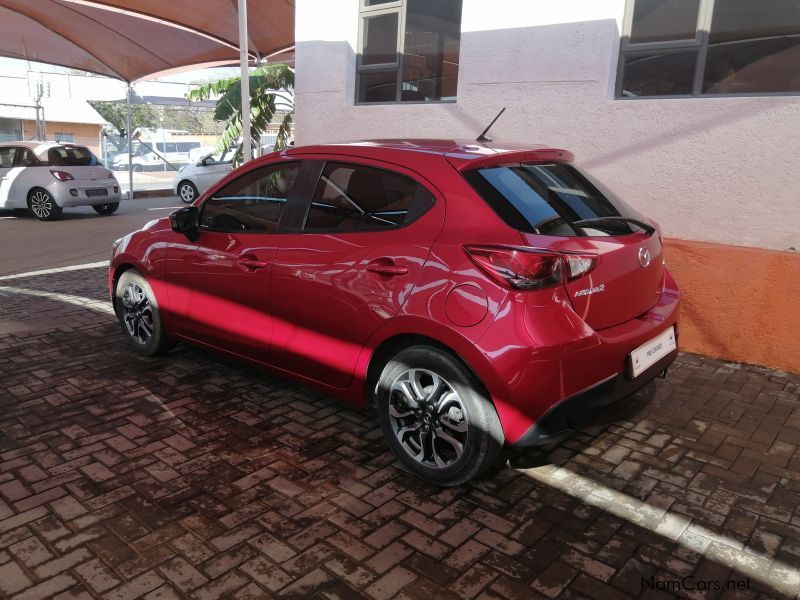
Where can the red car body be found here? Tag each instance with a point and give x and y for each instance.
(325, 308)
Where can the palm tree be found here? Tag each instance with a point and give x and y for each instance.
(267, 83)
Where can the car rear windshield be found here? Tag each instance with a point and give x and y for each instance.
(551, 199)
(70, 156)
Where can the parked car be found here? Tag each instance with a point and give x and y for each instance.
(150, 156)
(194, 179)
(476, 295)
(47, 177)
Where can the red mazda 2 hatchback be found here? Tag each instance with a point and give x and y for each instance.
(475, 295)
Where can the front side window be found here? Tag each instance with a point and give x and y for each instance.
(7, 154)
(26, 158)
(252, 203)
(358, 198)
(409, 51)
(708, 47)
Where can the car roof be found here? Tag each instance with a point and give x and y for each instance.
(463, 154)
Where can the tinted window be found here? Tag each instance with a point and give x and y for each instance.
(356, 198)
(753, 47)
(70, 156)
(660, 74)
(430, 58)
(428, 51)
(26, 158)
(380, 39)
(187, 146)
(253, 202)
(662, 20)
(550, 200)
(694, 48)
(7, 157)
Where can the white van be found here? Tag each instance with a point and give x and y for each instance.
(150, 156)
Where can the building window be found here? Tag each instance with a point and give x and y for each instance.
(408, 51)
(709, 47)
(65, 138)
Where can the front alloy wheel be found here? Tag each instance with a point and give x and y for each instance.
(137, 311)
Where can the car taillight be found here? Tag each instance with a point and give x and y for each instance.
(62, 175)
(523, 268)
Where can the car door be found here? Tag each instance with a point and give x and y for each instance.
(214, 170)
(7, 157)
(363, 234)
(218, 284)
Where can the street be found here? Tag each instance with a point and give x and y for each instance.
(81, 236)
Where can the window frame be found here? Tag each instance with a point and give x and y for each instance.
(700, 43)
(292, 197)
(400, 7)
(308, 190)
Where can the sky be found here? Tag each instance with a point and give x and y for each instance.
(11, 65)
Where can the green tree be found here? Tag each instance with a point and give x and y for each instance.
(116, 113)
(265, 82)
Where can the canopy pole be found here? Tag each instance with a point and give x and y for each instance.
(247, 146)
(130, 146)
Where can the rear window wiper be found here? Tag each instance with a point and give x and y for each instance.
(646, 227)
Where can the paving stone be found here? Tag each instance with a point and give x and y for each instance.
(196, 476)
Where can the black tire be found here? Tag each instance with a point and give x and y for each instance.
(187, 192)
(441, 463)
(43, 206)
(106, 209)
(137, 312)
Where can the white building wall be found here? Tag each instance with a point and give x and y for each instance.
(711, 169)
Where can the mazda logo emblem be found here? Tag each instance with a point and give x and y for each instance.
(644, 257)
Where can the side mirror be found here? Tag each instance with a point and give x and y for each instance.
(204, 161)
(186, 220)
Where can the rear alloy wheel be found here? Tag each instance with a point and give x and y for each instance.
(138, 315)
(43, 206)
(187, 192)
(436, 417)
(106, 209)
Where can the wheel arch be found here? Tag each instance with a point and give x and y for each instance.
(118, 271)
(399, 342)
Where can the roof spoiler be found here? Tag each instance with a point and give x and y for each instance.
(517, 157)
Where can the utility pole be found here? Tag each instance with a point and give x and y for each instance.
(247, 146)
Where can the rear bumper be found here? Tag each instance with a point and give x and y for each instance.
(570, 414)
(537, 355)
(60, 190)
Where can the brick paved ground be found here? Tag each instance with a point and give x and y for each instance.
(195, 477)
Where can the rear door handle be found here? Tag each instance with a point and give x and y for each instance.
(251, 263)
(387, 267)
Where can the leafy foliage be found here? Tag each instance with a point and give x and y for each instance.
(265, 81)
(116, 113)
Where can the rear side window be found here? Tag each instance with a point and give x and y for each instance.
(551, 199)
(70, 156)
(254, 202)
(352, 197)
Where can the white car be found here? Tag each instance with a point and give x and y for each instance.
(194, 179)
(150, 156)
(46, 177)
